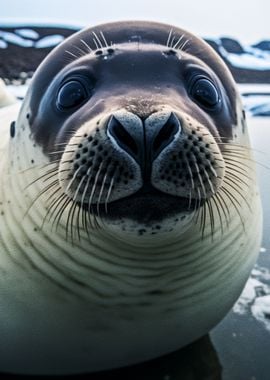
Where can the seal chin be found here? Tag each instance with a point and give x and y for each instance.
(146, 207)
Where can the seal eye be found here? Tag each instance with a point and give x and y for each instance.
(71, 94)
(204, 92)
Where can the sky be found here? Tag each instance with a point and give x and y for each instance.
(245, 19)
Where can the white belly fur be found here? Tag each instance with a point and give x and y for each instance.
(94, 305)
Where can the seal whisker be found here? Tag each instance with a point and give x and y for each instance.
(95, 184)
(71, 54)
(86, 45)
(203, 220)
(238, 190)
(172, 42)
(178, 41)
(97, 41)
(231, 174)
(189, 200)
(190, 174)
(61, 151)
(62, 208)
(238, 163)
(48, 173)
(92, 195)
(89, 174)
(224, 207)
(234, 202)
(212, 218)
(214, 199)
(74, 199)
(209, 181)
(70, 217)
(109, 194)
(200, 177)
(169, 38)
(240, 171)
(104, 39)
(212, 168)
(181, 48)
(199, 205)
(45, 190)
(101, 191)
(72, 179)
(50, 205)
(81, 51)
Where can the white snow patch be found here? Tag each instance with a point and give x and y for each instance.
(3, 44)
(16, 40)
(246, 60)
(256, 99)
(18, 91)
(255, 298)
(262, 249)
(27, 33)
(49, 41)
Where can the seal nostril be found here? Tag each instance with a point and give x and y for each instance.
(166, 134)
(122, 137)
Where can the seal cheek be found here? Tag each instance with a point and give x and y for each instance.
(94, 171)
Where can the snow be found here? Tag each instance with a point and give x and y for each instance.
(18, 91)
(261, 310)
(256, 98)
(246, 60)
(49, 41)
(27, 33)
(255, 298)
(16, 40)
(3, 44)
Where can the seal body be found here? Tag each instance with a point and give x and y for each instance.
(130, 215)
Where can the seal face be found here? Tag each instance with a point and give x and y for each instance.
(145, 117)
(136, 200)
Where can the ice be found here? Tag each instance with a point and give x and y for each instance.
(261, 310)
(18, 91)
(255, 298)
(49, 41)
(16, 40)
(3, 44)
(27, 33)
(246, 60)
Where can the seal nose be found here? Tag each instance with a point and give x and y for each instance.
(161, 132)
(144, 141)
(124, 136)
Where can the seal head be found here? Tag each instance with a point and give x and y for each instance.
(138, 120)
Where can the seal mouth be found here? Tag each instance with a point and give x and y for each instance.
(147, 205)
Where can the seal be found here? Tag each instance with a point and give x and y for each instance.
(130, 213)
